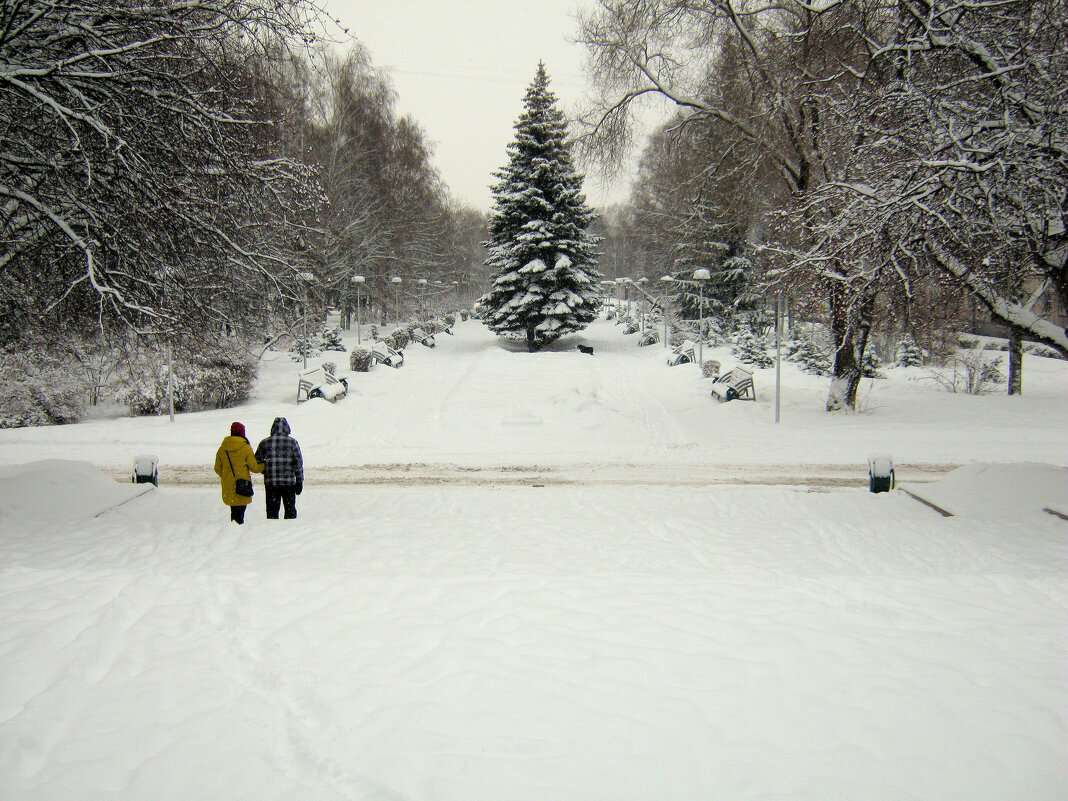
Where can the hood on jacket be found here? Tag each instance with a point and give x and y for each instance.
(234, 443)
(280, 426)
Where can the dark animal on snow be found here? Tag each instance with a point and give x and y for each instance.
(586, 349)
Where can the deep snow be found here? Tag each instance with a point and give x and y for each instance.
(555, 599)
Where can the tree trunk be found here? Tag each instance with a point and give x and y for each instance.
(850, 333)
(532, 343)
(1015, 361)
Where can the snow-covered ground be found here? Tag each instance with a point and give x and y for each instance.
(528, 577)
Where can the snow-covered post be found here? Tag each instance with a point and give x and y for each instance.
(422, 300)
(641, 285)
(307, 278)
(778, 352)
(357, 280)
(700, 275)
(170, 382)
(664, 279)
(396, 281)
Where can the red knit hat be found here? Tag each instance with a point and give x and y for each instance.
(237, 430)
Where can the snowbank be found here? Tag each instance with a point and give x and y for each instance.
(998, 490)
(57, 488)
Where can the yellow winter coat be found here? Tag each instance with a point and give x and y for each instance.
(243, 460)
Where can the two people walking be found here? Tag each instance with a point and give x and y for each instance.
(278, 457)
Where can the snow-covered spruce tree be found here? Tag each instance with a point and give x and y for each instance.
(545, 282)
(751, 348)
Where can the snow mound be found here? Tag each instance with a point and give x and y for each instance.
(58, 488)
(998, 490)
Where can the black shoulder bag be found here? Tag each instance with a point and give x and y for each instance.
(242, 486)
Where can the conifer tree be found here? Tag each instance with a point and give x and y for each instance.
(545, 280)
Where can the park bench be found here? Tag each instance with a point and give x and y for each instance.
(318, 383)
(683, 353)
(422, 337)
(383, 353)
(650, 337)
(736, 384)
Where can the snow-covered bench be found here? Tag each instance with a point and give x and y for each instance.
(650, 337)
(422, 337)
(736, 384)
(318, 383)
(683, 353)
(385, 354)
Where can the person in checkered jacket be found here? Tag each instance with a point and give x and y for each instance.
(283, 477)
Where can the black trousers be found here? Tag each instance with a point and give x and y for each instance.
(237, 514)
(281, 494)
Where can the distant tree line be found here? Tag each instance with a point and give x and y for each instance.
(869, 156)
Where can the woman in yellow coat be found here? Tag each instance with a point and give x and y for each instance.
(235, 460)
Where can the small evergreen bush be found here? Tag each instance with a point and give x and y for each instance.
(908, 353)
(330, 339)
(361, 359)
(750, 348)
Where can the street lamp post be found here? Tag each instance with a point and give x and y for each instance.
(665, 280)
(641, 285)
(396, 281)
(357, 280)
(423, 314)
(307, 278)
(699, 276)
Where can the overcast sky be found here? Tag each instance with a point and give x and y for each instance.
(461, 67)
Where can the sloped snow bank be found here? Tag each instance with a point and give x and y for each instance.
(992, 491)
(59, 488)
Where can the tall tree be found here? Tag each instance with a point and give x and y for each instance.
(545, 282)
(763, 76)
(134, 176)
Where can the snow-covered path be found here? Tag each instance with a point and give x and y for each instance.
(529, 643)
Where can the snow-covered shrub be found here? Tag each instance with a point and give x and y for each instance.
(712, 329)
(330, 339)
(330, 368)
(1044, 351)
(810, 356)
(970, 371)
(399, 339)
(200, 382)
(37, 389)
(751, 348)
(710, 369)
(908, 353)
(361, 360)
(374, 331)
(303, 349)
(871, 364)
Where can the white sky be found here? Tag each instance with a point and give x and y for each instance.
(461, 67)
